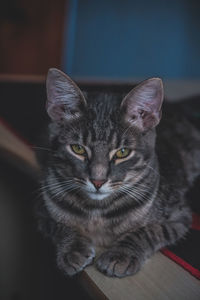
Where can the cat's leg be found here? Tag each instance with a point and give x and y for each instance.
(129, 253)
(74, 251)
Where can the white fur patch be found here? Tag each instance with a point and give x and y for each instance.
(90, 258)
(104, 191)
(96, 196)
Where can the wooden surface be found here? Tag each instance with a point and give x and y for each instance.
(160, 279)
(16, 151)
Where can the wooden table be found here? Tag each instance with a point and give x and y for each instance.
(160, 279)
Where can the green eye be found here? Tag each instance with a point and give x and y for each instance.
(78, 149)
(122, 153)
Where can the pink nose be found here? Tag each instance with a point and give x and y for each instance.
(98, 183)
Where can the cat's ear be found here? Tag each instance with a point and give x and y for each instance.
(65, 100)
(142, 106)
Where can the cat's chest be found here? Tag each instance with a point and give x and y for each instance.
(104, 231)
(98, 230)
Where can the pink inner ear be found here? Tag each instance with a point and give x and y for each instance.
(150, 120)
(65, 100)
(56, 112)
(142, 105)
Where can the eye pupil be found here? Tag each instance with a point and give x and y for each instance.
(122, 153)
(78, 149)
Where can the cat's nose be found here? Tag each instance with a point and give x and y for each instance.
(98, 183)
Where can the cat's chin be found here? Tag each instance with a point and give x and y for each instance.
(98, 196)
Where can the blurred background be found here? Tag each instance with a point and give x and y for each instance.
(107, 44)
(107, 39)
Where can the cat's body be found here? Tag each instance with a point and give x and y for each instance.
(132, 205)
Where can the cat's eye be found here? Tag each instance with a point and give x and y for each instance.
(122, 153)
(78, 149)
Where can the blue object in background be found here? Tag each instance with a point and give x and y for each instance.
(115, 39)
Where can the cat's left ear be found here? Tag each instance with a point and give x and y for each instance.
(142, 106)
(65, 100)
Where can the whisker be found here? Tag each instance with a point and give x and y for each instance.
(137, 194)
(135, 188)
(139, 189)
(55, 184)
(42, 148)
(64, 191)
(155, 171)
(131, 195)
(76, 188)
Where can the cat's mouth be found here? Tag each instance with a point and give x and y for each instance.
(98, 195)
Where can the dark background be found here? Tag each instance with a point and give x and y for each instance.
(31, 35)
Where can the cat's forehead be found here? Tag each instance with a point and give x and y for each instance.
(103, 113)
(103, 103)
(102, 145)
(106, 135)
(97, 137)
(103, 120)
(101, 126)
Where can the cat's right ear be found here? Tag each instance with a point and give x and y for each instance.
(65, 100)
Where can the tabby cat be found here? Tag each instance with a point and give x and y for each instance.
(108, 181)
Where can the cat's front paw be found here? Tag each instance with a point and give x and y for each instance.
(117, 263)
(73, 262)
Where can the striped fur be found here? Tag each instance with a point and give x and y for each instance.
(142, 205)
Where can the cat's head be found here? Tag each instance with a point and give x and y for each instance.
(102, 143)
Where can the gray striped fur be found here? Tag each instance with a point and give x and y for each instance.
(142, 206)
